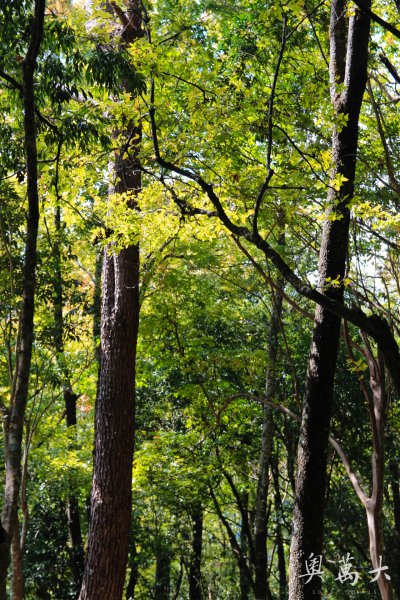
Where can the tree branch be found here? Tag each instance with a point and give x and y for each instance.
(334, 443)
(362, 5)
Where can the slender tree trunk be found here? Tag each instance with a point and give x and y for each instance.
(244, 569)
(179, 580)
(348, 68)
(19, 392)
(378, 405)
(97, 307)
(134, 571)
(111, 498)
(18, 541)
(279, 538)
(195, 555)
(73, 516)
(262, 590)
(163, 572)
(375, 548)
(245, 584)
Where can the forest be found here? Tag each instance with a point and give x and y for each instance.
(200, 291)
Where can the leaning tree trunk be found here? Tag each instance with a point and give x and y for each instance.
(348, 75)
(20, 389)
(110, 514)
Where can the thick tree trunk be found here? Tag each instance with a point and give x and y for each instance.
(196, 553)
(19, 392)
(114, 429)
(18, 579)
(394, 484)
(111, 498)
(348, 67)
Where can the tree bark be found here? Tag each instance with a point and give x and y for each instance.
(70, 398)
(279, 538)
(114, 428)
(163, 571)
(245, 584)
(110, 514)
(134, 571)
(20, 387)
(96, 327)
(348, 68)
(262, 590)
(394, 483)
(196, 553)
(377, 406)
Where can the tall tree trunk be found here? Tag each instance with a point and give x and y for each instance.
(20, 388)
(196, 552)
(96, 328)
(163, 572)
(178, 583)
(377, 406)
(348, 74)
(377, 402)
(110, 514)
(70, 398)
(279, 538)
(262, 590)
(245, 572)
(114, 428)
(245, 584)
(394, 484)
(134, 571)
(258, 540)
